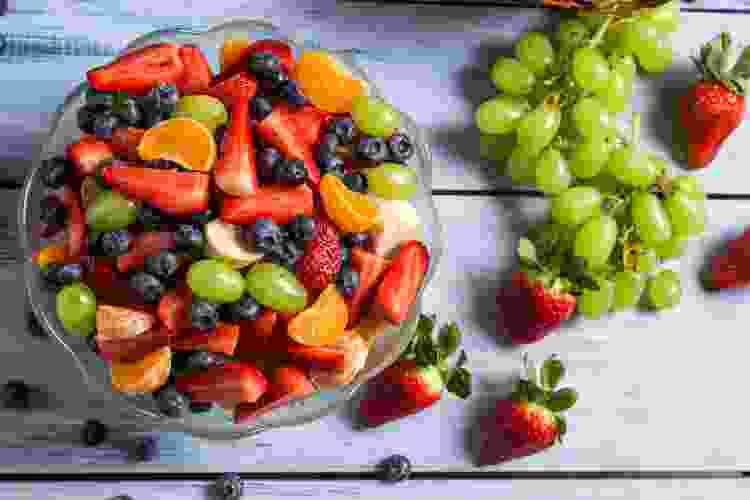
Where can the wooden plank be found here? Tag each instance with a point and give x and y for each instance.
(432, 65)
(648, 382)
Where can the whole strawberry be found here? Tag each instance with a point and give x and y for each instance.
(529, 421)
(322, 259)
(732, 268)
(715, 105)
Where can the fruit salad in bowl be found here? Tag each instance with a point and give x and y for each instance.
(229, 232)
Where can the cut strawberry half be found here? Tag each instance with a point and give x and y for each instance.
(172, 191)
(196, 73)
(227, 91)
(87, 154)
(173, 310)
(279, 203)
(287, 382)
(230, 383)
(323, 357)
(125, 140)
(401, 282)
(234, 171)
(370, 268)
(75, 226)
(223, 339)
(133, 348)
(275, 47)
(148, 243)
(140, 70)
(256, 334)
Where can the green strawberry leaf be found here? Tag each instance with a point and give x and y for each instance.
(562, 400)
(426, 352)
(459, 383)
(562, 427)
(741, 70)
(552, 372)
(528, 391)
(425, 326)
(449, 339)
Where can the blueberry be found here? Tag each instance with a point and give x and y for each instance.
(371, 148)
(203, 360)
(196, 407)
(263, 64)
(146, 449)
(266, 162)
(162, 265)
(394, 469)
(104, 125)
(291, 92)
(330, 141)
(264, 235)
(151, 117)
(272, 83)
(171, 402)
(219, 134)
(93, 244)
(302, 228)
(290, 253)
(343, 128)
(85, 119)
(100, 101)
(246, 308)
(327, 159)
(358, 239)
(400, 147)
(260, 107)
(204, 315)
(228, 487)
(162, 163)
(347, 281)
(126, 109)
(55, 170)
(150, 217)
(147, 286)
(115, 243)
(64, 274)
(291, 172)
(94, 433)
(163, 97)
(52, 211)
(356, 182)
(188, 236)
(16, 395)
(122, 497)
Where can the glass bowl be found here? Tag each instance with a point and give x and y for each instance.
(215, 425)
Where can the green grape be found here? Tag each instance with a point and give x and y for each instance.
(215, 281)
(392, 181)
(656, 55)
(664, 289)
(206, 109)
(512, 77)
(591, 119)
(595, 303)
(76, 309)
(619, 92)
(689, 185)
(552, 172)
(588, 158)
(500, 115)
(604, 183)
(575, 205)
(535, 51)
(666, 18)
(634, 34)
(686, 214)
(374, 116)
(520, 167)
(538, 128)
(673, 248)
(628, 290)
(110, 211)
(590, 69)
(571, 33)
(624, 64)
(496, 147)
(647, 260)
(650, 219)
(593, 21)
(632, 167)
(595, 240)
(660, 164)
(276, 288)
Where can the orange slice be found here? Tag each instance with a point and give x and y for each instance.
(232, 51)
(143, 376)
(183, 140)
(54, 253)
(352, 212)
(326, 82)
(324, 322)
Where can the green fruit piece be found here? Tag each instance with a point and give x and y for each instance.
(590, 69)
(576, 205)
(535, 51)
(686, 215)
(512, 77)
(496, 147)
(628, 290)
(595, 240)
(392, 181)
(215, 281)
(276, 288)
(595, 303)
(571, 33)
(552, 173)
(374, 116)
(664, 289)
(76, 309)
(110, 211)
(673, 248)
(650, 219)
(520, 167)
(206, 109)
(500, 115)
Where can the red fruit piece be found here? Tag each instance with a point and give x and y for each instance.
(148, 243)
(322, 258)
(370, 268)
(223, 339)
(402, 280)
(739, 248)
(323, 357)
(133, 348)
(75, 225)
(140, 70)
(125, 140)
(196, 74)
(256, 334)
(294, 132)
(173, 310)
(229, 89)
(728, 272)
(121, 322)
(234, 171)
(230, 383)
(275, 47)
(86, 155)
(285, 383)
(279, 203)
(172, 191)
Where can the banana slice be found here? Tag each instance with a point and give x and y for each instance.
(225, 242)
(399, 222)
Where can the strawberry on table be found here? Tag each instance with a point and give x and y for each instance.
(196, 74)
(230, 383)
(138, 71)
(87, 154)
(732, 268)
(322, 258)
(402, 280)
(278, 203)
(529, 421)
(234, 171)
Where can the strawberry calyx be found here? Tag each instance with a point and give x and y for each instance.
(715, 63)
(550, 263)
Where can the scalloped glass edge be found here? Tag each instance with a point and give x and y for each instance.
(296, 412)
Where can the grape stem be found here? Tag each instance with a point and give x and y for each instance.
(599, 35)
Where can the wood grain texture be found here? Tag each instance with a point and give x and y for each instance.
(639, 375)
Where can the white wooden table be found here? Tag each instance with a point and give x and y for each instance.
(662, 396)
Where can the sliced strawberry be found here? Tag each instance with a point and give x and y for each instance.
(275, 47)
(196, 73)
(323, 357)
(223, 339)
(86, 155)
(279, 203)
(230, 383)
(401, 282)
(370, 268)
(75, 225)
(125, 140)
(286, 382)
(173, 310)
(256, 334)
(140, 70)
(228, 90)
(172, 191)
(294, 132)
(148, 243)
(234, 171)
(321, 262)
(135, 347)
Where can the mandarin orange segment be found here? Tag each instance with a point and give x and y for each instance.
(51, 254)
(326, 82)
(143, 376)
(323, 323)
(232, 51)
(352, 212)
(183, 140)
